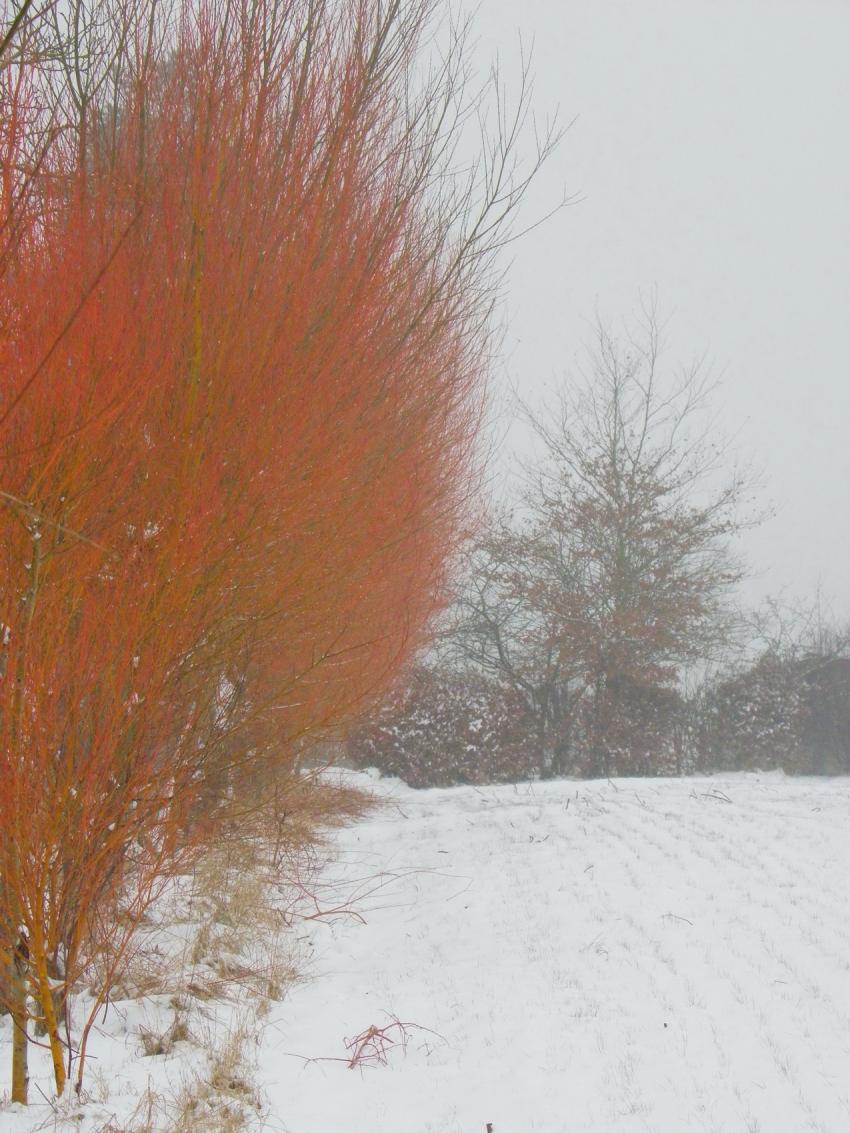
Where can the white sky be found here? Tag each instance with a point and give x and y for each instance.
(711, 149)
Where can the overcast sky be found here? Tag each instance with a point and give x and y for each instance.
(711, 152)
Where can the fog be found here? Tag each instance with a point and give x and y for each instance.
(707, 155)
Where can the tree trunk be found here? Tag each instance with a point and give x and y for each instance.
(47, 1003)
(20, 1040)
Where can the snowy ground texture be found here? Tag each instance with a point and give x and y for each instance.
(634, 956)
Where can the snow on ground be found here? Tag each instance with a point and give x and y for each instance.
(634, 956)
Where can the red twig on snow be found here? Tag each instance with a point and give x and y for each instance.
(370, 1047)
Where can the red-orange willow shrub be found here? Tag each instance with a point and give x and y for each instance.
(244, 322)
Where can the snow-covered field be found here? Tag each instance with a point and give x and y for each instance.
(635, 956)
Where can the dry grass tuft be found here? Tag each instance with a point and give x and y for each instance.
(240, 945)
(232, 918)
(294, 811)
(224, 1098)
(236, 901)
(162, 1042)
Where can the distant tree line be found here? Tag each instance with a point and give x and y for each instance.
(789, 712)
(579, 621)
(448, 725)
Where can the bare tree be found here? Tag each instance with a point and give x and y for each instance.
(617, 577)
(497, 626)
